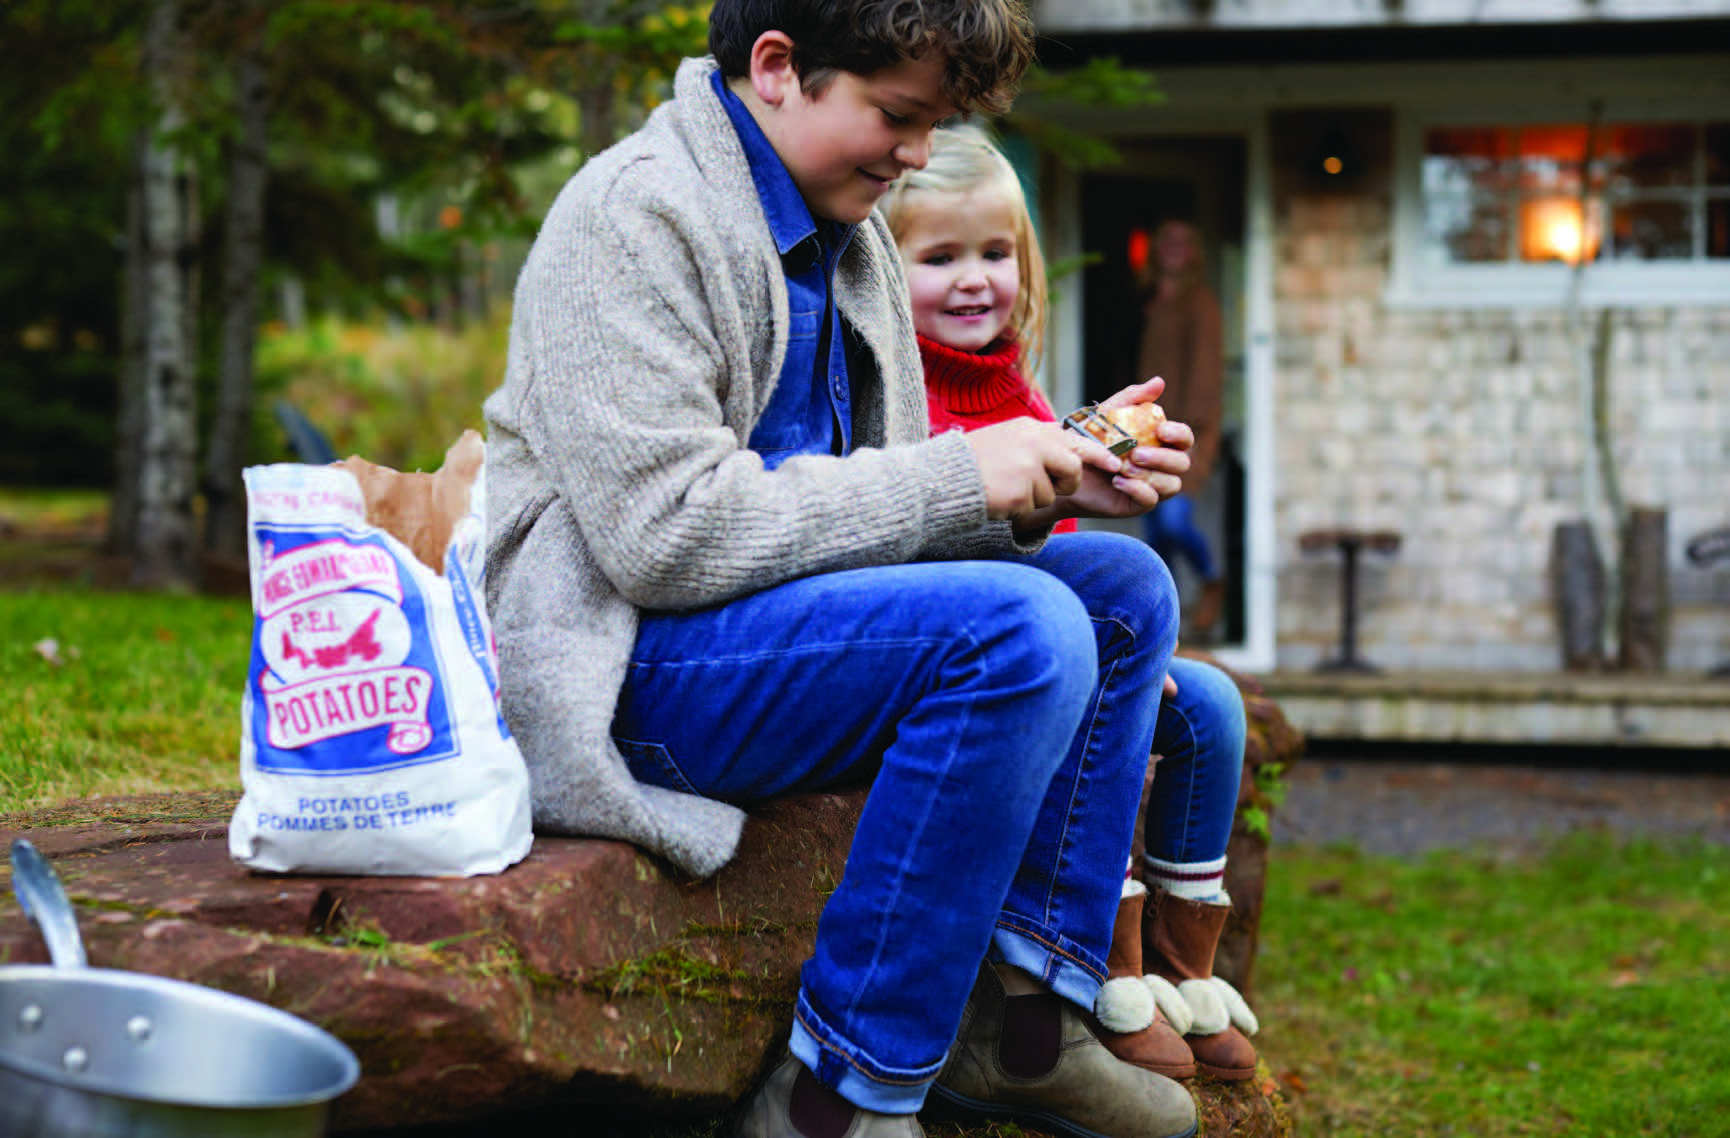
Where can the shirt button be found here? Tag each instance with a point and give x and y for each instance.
(839, 385)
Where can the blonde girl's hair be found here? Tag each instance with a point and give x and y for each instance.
(964, 160)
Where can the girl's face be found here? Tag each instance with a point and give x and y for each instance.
(962, 268)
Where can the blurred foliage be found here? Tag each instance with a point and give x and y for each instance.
(1100, 83)
(408, 139)
(396, 395)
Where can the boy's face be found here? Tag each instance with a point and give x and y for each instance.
(845, 146)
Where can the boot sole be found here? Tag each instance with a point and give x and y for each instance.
(953, 1107)
(1226, 1074)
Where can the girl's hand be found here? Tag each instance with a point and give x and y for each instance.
(1163, 466)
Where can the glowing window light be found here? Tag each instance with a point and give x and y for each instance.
(1551, 230)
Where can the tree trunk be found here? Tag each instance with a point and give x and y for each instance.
(166, 549)
(128, 441)
(243, 238)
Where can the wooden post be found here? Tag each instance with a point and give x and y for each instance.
(1645, 623)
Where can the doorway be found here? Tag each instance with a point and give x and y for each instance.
(1201, 180)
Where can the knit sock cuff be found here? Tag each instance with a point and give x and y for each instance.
(1195, 880)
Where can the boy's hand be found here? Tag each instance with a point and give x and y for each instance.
(1027, 465)
(1121, 489)
(1112, 489)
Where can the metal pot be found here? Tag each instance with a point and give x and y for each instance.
(94, 1052)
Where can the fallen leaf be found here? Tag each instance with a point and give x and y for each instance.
(1326, 888)
(1295, 1080)
(1624, 978)
(165, 634)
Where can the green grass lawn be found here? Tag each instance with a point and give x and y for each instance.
(1583, 993)
(112, 693)
(1586, 993)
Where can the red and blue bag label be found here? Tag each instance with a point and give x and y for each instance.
(346, 679)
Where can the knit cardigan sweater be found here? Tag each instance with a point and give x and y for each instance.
(969, 390)
(649, 327)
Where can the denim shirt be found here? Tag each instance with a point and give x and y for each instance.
(811, 411)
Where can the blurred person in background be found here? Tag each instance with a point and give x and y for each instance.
(1182, 341)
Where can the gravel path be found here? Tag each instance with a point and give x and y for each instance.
(1397, 807)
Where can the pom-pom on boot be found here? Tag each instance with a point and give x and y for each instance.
(1132, 1024)
(1178, 939)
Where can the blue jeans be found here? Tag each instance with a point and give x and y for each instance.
(1171, 529)
(1199, 738)
(1004, 711)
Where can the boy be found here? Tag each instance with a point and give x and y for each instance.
(727, 563)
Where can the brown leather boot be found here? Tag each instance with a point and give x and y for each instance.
(1178, 938)
(1129, 1022)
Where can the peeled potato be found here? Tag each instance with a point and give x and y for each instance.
(1141, 420)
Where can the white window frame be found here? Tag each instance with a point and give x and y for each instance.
(1413, 284)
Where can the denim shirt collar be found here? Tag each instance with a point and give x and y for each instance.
(790, 220)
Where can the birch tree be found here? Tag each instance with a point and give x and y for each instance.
(166, 545)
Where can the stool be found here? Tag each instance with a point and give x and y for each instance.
(1349, 542)
(1706, 549)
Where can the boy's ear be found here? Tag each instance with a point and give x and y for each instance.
(772, 71)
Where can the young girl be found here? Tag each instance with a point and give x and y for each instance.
(977, 285)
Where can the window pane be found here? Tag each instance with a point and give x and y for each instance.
(1458, 159)
(1648, 155)
(1718, 227)
(1718, 154)
(1466, 229)
(1651, 231)
(1550, 158)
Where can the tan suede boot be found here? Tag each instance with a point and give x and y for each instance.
(790, 1104)
(1035, 1061)
(1178, 938)
(1129, 1020)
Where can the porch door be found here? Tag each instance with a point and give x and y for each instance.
(1200, 180)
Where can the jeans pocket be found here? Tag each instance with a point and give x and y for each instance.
(653, 764)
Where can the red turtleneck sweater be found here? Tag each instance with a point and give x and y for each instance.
(969, 390)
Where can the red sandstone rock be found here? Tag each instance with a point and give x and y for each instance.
(590, 970)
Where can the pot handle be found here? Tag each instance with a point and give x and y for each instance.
(44, 902)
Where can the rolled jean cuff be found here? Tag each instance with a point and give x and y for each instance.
(1058, 963)
(852, 1074)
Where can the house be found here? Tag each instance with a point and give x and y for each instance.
(1427, 313)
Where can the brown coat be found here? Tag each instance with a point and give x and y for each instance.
(1183, 342)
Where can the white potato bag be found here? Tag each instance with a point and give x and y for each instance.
(372, 741)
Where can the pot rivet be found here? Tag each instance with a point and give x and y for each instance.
(138, 1029)
(75, 1059)
(29, 1017)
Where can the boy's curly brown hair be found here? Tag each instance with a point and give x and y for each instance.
(987, 44)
